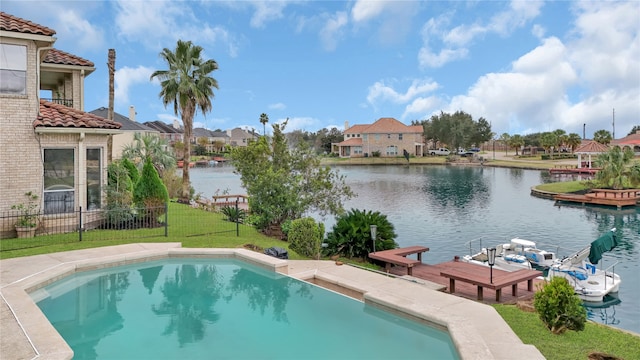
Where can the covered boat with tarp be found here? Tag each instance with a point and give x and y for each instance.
(591, 283)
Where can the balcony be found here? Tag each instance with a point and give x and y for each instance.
(65, 102)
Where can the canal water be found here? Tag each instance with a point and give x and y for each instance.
(445, 207)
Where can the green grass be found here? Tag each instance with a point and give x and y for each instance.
(193, 228)
(572, 344)
(564, 187)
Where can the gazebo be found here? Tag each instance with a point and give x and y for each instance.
(588, 148)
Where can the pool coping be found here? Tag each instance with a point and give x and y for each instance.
(477, 330)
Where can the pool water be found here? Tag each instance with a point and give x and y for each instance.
(224, 309)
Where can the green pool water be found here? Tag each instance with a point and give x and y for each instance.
(224, 309)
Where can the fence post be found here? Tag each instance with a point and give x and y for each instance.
(166, 219)
(80, 223)
(237, 219)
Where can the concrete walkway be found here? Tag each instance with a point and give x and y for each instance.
(477, 330)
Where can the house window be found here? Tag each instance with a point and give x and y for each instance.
(357, 150)
(358, 135)
(365, 137)
(392, 150)
(59, 181)
(94, 179)
(13, 69)
(399, 136)
(377, 137)
(388, 136)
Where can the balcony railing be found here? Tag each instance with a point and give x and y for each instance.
(65, 102)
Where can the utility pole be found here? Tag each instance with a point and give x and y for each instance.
(614, 124)
(111, 65)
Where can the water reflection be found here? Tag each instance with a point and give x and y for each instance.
(265, 293)
(87, 314)
(189, 297)
(456, 187)
(605, 312)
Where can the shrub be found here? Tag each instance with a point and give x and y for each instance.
(305, 237)
(375, 153)
(119, 193)
(150, 193)
(134, 175)
(233, 213)
(559, 308)
(351, 235)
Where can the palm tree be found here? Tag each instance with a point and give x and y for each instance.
(188, 85)
(264, 119)
(152, 147)
(516, 141)
(603, 137)
(615, 172)
(505, 140)
(573, 141)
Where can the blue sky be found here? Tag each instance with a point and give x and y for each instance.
(524, 66)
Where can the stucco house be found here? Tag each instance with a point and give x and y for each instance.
(215, 140)
(632, 141)
(387, 136)
(241, 137)
(173, 133)
(50, 147)
(130, 127)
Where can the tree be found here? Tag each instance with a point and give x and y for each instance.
(548, 139)
(516, 141)
(615, 172)
(187, 85)
(264, 119)
(635, 129)
(504, 138)
(603, 137)
(150, 194)
(283, 183)
(152, 147)
(573, 141)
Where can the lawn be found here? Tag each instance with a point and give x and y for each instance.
(572, 344)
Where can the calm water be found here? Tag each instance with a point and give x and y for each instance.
(224, 309)
(444, 207)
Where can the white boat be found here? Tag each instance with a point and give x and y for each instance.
(515, 255)
(591, 283)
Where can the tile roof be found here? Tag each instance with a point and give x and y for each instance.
(126, 123)
(351, 142)
(591, 147)
(56, 115)
(384, 126)
(15, 24)
(55, 56)
(633, 139)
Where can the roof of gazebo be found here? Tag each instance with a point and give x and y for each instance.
(591, 147)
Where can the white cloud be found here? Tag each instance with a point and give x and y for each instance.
(455, 41)
(422, 105)
(87, 36)
(277, 106)
(299, 123)
(126, 77)
(266, 11)
(379, 92)
(365, 10)
(333, 30)
(155, 24)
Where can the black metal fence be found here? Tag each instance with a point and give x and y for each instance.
(116, 224)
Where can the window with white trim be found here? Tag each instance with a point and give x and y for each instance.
(94, 179)
(392, 150)
(13, 69)
(357, 150)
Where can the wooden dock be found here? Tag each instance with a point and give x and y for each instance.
(432, 273)
(572, 169)
(617, 198)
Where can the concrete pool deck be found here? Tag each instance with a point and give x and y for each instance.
(477, 330)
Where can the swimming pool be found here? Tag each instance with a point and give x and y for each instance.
(224, 308)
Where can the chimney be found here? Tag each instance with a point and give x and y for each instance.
(132, 113)
(346, 125)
